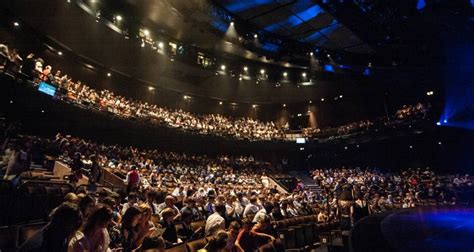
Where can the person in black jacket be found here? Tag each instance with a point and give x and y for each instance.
(186, 232)
(169, 234)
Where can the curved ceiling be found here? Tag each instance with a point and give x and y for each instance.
(300, 20)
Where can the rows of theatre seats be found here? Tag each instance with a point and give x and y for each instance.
(11, 237)
(304, 233)
(32, 200)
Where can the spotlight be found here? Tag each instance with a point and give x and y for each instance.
(16, 24)
(146, 32)
(340, 96)
(255, 35)
(445, 121)
(411, 146)
(151, 88)
(222, 67)
(246, 68)
(311, 54)
(60, 53)
(439, 143)
(301, 148)
(429, 93)
(345, 148)
(285, 74)
(42, 111)
(118, 18)
(284, 105)
(254, 105)
(310, 102)
(322, 99)
(232, 23)
(109, 74)
(143, 44)
(357, 146)
(161, 45)
(329, 55)
(304, 75)
(220, 103)
(240, 78)
(438, 123)
(262, 71)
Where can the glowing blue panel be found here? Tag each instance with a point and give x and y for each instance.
(344, 67)
(367, 72)
(313, 37)
(330, 28)
(270, 47)
(219, 25)
(243, 5)
(297, 19)
(421, 4)
(329, 68)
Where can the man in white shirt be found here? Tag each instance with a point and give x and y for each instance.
(169, 203)
(252, 207)
(215, 221)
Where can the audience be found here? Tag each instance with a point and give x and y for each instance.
(78, 93)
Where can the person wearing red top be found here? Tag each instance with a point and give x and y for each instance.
(133, 179)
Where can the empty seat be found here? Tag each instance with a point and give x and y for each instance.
(194, 246)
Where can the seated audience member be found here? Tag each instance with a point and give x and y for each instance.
(131, 237)
(169, 203)
(65, 221)
(244, 241)
(132, 200)
(93, 236)
(251, 208)
(215, 221)
(263, 213)
(71, 198)
(217, 243)
(233, 232)
(152, 243)
(260, 232)
(86, 204)
(145, 225)
(167, 223)
(186, 232)
(190, 206)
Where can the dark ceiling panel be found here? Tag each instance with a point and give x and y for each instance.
(301, 20)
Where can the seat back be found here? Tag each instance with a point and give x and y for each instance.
(300, 220)
(8, 237)
(299, 236)
(25, 232)
(197, 224)
(194, 246)
(291, 222)
(180, 247)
